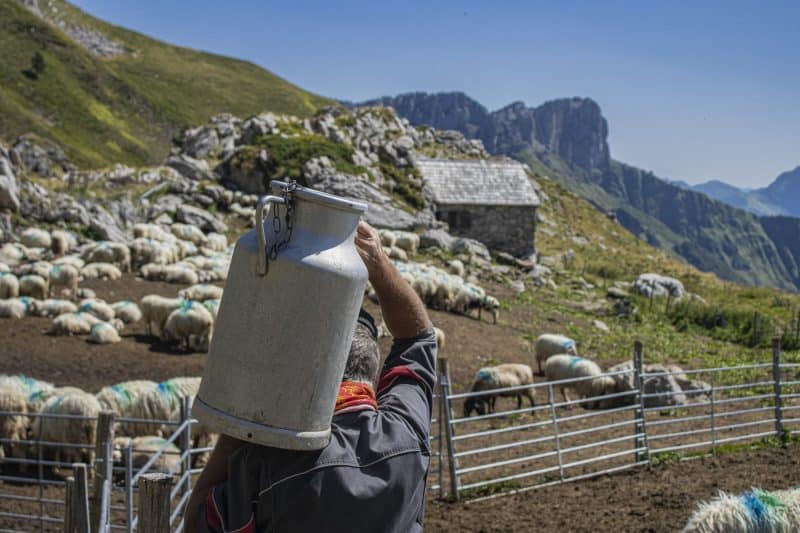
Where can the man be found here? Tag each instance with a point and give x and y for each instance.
(372, 474)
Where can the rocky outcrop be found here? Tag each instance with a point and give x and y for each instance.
(573, 128)
(9, 198)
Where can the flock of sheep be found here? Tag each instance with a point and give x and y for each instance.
(68, 415)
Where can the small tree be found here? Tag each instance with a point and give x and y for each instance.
(37, 64)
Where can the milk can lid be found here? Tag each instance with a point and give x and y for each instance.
(311, 195)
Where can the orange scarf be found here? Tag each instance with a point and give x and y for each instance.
(355, 396)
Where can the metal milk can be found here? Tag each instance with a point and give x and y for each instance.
(285, 322)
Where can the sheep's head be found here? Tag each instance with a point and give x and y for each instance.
(474, 403)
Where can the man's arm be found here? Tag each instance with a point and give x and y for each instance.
(215, 471)
(403, 311)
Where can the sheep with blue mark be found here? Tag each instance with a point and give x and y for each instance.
(66, 276)
(156, 309)
(101, 270)
(9, 285)
(191, 319)
(34, 286)
(18, 307)
(55, 307)
(35, 238)
(127, 311)
(155, 406)
(97, 308)
(201, 292)
(13, 427)
(71, 402)
(563, 367)
(498, 377)
(79, 323)
(549, 344)
(754, 511)
(189, 232)
(104, 333)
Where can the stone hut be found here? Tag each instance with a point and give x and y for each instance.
(491, 201)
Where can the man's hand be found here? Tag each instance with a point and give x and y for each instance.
(403, 311)
(368, 244)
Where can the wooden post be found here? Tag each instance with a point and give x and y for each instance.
(448, 428)
(103, 470)
(154, 509)
(76, 510)
(776, 378)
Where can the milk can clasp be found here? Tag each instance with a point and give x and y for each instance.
(262, 211)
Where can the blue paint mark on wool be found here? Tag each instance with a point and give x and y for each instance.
(574, 361)
(566, 345)
(485, 375)
(755, 508)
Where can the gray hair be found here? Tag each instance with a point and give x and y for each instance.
(364, 357)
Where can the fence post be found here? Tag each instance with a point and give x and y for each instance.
(439, 445)
(639, 426)
(103, 453)
(554, 419)
(154, 492)
(776, 378)
(128, 452)
(713, 401)
(451, 459)
(76, 501)
(186, 445)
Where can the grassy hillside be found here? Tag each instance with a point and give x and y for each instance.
(128, 107)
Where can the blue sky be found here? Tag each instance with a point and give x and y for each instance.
(691, 90)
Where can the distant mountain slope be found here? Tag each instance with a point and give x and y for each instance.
(736, 197)
(569, 139)
(107, 94)
(784, 192)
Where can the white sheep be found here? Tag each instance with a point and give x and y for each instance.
(201, 292)
(53, 307)
(497, 377)
(13, 427)
(4, 268)
(157, 405)
(754, 511)
(33, 389)
(72, 260)
(103, 270)
(97, 308)
(144, 448)
(388, 238)
(35, 238)
(408, 241)
(188, 232)
(186, 248)
(73, 324)
(156, 309)
(65, 276)
(146, 251)
(12, 254)
(127, 311)
(120, 396)
(190, 319)
(9, 285)
(180, 274)
(151, 231)
(71, 402)
(202, 437)
(440, 338)
(456, 267)
(85, 293)
(18, 307)
(213, 307)
(104, 333)
(34, 286)
(115, 253)
(153, 272)
(549, 344)
(562, 367)
(62, 242)
(216, 242)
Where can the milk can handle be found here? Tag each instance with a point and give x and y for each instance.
(262, 211)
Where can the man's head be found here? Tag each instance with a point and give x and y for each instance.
(364, 356)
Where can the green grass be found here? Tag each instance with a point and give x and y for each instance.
(128, 108)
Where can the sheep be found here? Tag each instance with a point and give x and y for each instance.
(73, 324)
(388, 238)
(35, 238)
(456, 267)
(127, 311)
(72, 260)
(181, 275)
(101, 271)
(202, 437)
(4, 268)
(156, 309)
(549, 344)
(151, 231)
(216, 242)
(440, 339)
(491, 304)
(190, 319)
(157, 405)
(97, 308)
(64, 276)
(120, 397)
(53, 308)
(153, 272)
(408, 241)
(396, 253)
(146, 251)
(144, 448)
(12, 254)
(213, 307)
(17, 307)
(34, 286)
(85, 293)
(115, 253)
(497, 377)
(73, 402)
(12, 427)
(201, 292)
(753, 511)
(185, 248)
(9, 285)
(562, 367)
(62, 242)
(104, 333)
(188, 232)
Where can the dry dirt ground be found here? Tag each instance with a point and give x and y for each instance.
(641, 500)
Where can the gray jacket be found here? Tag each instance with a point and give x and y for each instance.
(370, 477)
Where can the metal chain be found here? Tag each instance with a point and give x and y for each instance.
(286, 192)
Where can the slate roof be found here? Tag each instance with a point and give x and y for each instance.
(477, 182)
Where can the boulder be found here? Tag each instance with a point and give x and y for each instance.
(657, 286)
(436, 238)
(39, 156)
(201, 218)
(200, 142)
(189, 167)
(104, 225)
(9, 196)
(471, 247)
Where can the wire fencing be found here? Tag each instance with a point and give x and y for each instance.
(653, 413)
